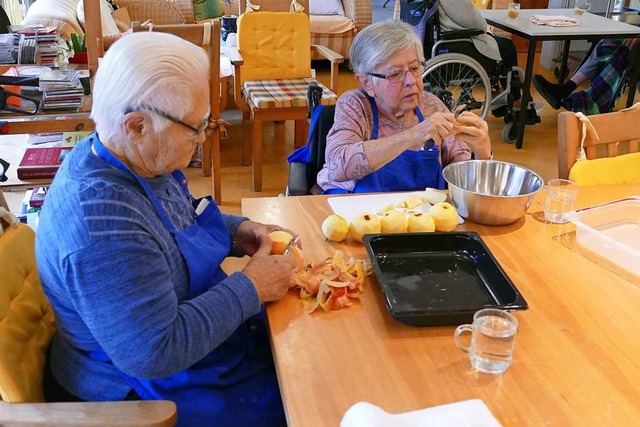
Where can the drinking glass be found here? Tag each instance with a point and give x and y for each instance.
(561, 198)
(513, 10)
(493, 337)
(581, 7)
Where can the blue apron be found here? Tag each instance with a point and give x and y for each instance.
(411, 170)
(235, 384)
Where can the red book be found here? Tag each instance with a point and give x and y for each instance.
(41, 162)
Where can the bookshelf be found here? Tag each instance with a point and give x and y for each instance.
(13, 144)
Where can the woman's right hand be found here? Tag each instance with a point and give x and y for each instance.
(270, 274)
(437, 126)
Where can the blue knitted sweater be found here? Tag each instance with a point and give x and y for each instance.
(117, 282)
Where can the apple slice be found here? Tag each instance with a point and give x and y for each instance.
(433, 196)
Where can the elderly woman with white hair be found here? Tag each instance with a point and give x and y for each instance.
(130, 261)
(391, 135)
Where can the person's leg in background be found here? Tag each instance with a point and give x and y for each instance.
(554, 93)
(507, 52)
(509, 56)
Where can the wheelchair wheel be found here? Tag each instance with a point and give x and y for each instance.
(509, 133)
(462, 78)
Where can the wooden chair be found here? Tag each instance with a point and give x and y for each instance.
(618, 134)
(26, 328)
(323, 51)
(273, 72)
(206, 35)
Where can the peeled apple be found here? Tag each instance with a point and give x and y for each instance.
(445, 216)
(421, 223)
(335, 228)
(365, 223)
(393, 222)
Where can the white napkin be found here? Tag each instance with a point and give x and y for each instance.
(554, 21)
(468, 413)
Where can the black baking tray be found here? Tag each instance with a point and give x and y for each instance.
(431, 279)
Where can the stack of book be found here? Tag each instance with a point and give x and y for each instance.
(61, 90)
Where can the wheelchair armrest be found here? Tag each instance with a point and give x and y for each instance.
(298, 185)
(460, 34)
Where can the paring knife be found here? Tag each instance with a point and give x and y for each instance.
(291, 245)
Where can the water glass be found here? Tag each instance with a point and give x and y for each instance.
(561, 198)
(513, 10)
(581, 7)
(493, 337)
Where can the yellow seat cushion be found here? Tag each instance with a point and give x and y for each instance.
(26, 318)
(624, 169)
(274, 45)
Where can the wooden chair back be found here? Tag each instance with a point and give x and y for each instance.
(272, 5)
(206, 35)
(93, 35)
(160, 12)
(618, 134)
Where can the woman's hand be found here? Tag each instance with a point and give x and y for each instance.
(250, 236)
(474, 132)
(437, 126)
(270, 274)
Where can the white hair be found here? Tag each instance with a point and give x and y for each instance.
(378, 42)
(150, 69)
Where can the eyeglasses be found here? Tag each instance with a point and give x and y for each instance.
(400, 75)
(205, 126)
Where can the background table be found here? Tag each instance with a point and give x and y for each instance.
(576, 359)
(592, 27)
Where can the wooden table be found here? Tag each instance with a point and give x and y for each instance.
(577, 356)
(592, 27)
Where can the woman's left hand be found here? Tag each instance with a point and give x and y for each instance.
(474, 132)
(251, 235)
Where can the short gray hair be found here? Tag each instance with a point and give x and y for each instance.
(378, 42)
(147, 68)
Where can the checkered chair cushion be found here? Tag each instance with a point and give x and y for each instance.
(288, 93)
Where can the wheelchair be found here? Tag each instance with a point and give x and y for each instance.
(458, 74)
(307, 161)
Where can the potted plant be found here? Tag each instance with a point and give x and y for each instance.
(79, 48)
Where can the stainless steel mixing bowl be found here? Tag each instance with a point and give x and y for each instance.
(491, 192)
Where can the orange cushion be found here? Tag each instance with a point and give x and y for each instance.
(274, 45)
(26, 319)
(624, 169)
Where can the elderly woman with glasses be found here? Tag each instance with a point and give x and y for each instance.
(131, 262)
(391, 135)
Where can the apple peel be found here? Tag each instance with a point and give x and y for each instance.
(332, 283)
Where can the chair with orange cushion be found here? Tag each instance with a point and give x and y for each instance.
(26, 327)
(272, 75)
